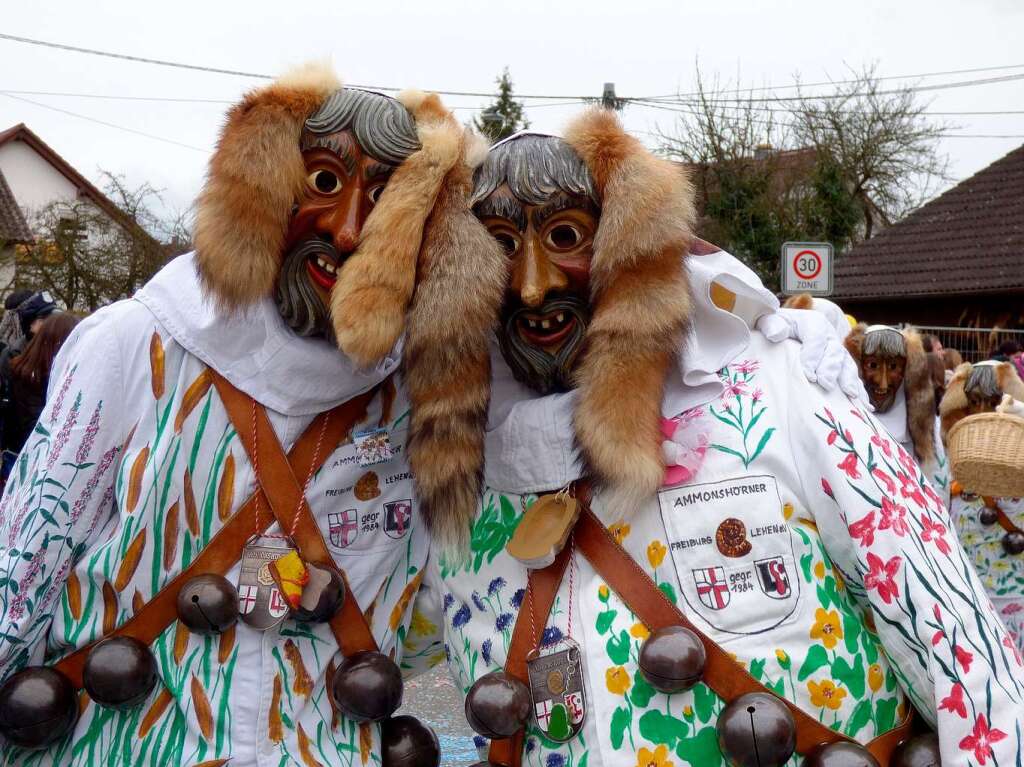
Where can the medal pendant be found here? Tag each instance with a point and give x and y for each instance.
(543, 530)
(372, 447)
(260, 602)
(556, 686)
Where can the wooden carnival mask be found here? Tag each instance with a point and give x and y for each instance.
(883, 362)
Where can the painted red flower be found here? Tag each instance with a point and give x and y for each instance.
(864, 529)
(934, 532)
(734, 390)
(881, 576)
(939, 503)
(965, 658)
(830, 416)
(954, 702)
(832, 436)
(894, 517)
(849, 465)
(981, 739)
(827, 488)
(1013, 649)
(883, 444)
(910, 489)
(859, 415)
(885, 479)
(907, 461)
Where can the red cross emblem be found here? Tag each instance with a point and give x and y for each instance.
(711, 587)
(543, 711)
(247, 599)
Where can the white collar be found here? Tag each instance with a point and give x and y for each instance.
(255, 350)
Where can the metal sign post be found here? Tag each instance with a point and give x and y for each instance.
(807, 268)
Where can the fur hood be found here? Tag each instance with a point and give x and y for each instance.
(640, 302)
(918, 390)
(954, 405)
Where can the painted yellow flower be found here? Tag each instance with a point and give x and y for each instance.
(617, 680)
(826, 694)
(875, 677)
(840, 583)
(819, 571)
(656, 758)
(602, 592)
(421, 625)
(639, 631)
(787, 510)
(656, 553)
(827, 627)
(782, 655)
(688, 712)
(619, 531)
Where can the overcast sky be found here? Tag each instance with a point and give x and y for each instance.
(552, 47)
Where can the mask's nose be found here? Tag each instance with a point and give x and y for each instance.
(535, 276)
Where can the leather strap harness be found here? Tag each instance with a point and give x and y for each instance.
(279, 490)
(625, 577)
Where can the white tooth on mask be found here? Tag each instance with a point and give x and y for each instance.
(560, 317)
(545, 324)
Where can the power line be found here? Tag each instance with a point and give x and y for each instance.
(107, 124)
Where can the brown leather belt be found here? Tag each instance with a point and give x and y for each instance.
(225, 548)
(625, 577)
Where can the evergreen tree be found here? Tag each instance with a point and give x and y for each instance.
(505, 116)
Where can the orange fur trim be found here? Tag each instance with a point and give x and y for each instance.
(375, 285)
(641, 307)
(254, 177)
(920, 395)
(954, 405)
(801, 301)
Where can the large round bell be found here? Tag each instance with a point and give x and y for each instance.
(119, 673)
(367, 686)
(1013, 543)
(407, 742)
(672, 659)
(988, 516)
(757, 730)
(841, 754)
(918, 751)
(38, 707)
(321, 597)
(208, 604)
(498, 705)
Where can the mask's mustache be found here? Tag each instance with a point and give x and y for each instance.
(298, 301)
(536, 367)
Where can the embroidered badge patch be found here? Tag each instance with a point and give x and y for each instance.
(372, 447)
(556, 686)
(397, 517)
(343, 527)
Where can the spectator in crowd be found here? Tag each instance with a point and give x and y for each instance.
(932, 345)
(952, 358)
(24, 378)
(11, 336)
(33, 311)
(1010, 351)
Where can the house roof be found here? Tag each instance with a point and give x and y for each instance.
(13, 227)
(969, 240)
(21, 132)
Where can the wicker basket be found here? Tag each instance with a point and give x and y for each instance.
(986, 454)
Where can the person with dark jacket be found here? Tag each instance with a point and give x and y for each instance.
(24, 380)
(11, 336)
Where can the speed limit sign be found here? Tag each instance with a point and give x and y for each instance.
(807, 268)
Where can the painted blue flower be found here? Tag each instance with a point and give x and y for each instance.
(531, 745)
(517, 598)
(495, 586)
(449, 600)
(552, 635)
(479, 602)
(485, 651)
(554, 760)
(462, 617)
(503, 622)
(479, 741)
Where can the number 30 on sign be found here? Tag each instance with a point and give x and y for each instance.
(807, 268)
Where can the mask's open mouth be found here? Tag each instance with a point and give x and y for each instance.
(323, 269)
(548, 329)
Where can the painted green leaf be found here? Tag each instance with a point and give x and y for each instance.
(761, 444)
(701, 750)
(851, 632)
(668, 590)
(704, 702)
(622, 719)
(641, 692)
(558, 724)
(604, 621)
(853, 677)
(885, 714)
(816, 658)
(618, 648)
(757, 669)
(861, 716)
(659, 727)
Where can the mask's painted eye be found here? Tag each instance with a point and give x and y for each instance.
(564, 237)
(508, 243)
(374, 193)
(324, 181)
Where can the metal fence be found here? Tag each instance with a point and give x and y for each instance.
(974, 344)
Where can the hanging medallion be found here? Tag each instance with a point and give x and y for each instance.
(556, 686)
(260, 602)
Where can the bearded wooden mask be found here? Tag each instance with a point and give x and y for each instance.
(978, 388)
